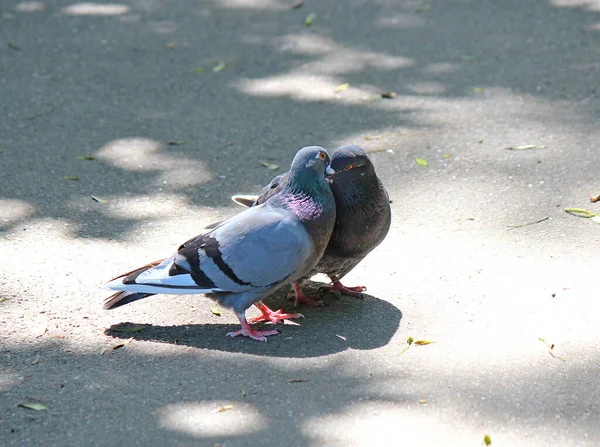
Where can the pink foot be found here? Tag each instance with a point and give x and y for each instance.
(247, 331)
(339, 289)
(300, 297)
(273, 316)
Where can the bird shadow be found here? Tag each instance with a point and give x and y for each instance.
(344, 323)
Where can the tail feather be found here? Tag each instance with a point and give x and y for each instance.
(122, 298)
(129, 277)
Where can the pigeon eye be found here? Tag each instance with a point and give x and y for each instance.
(322, 155)
(349, 167)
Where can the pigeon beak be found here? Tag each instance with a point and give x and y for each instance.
(329, 171)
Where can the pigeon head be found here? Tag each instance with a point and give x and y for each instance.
(312, 158)
(350, 162)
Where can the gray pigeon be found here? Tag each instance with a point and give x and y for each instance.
(363, 217)
(247, 257)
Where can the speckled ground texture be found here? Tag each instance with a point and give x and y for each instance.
(132, 83)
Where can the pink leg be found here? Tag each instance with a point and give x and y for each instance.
(272, 316)
(300, 297)
(249, 332)
(339, 289)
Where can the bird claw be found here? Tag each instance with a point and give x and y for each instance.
(338, 289)
(276, 317)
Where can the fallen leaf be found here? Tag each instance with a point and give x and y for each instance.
(447, 156)
(12, 46)
(2, 299)
(127, 327)
(309, 19)
(98, 199)
(222, 409)
(297, 380)
(103, 351)
(422, 401)
(421, 161)
(525, 147)
(593, 199)
(215, 310)
(176, 143)
(580, 212)
(86, 157)
(296, 5)
(512, 227)
(197, 70)
(423, 342)
(123, 343)
(388, 95)
(269, 165)
(219, 67)
(409, 341)
(480, 141)
(71, 177)
(487, 440)
(341, 88)
(550, 347)
(33, 406)
(36, 361)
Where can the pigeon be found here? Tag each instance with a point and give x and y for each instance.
(363, 218)
(247, 257)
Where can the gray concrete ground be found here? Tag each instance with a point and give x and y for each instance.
(120, 81)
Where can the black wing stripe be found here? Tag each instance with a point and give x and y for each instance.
(198, 275)
(211, 248)
(210, 245)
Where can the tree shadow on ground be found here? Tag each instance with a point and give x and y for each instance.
(107, 75)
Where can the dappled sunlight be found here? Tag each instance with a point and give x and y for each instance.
(30, 6)
(13, 210)
(252, 4)
(590, 5)
(148, 207)
(204, 420)
(481, 258)
(142, 154)
(317, 80)
(384, 423)
(304, 87)
(96, 9)
(338, 59)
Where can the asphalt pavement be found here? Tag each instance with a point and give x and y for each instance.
(124, 129)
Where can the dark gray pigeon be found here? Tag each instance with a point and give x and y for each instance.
(247, 257)
(363, 217)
